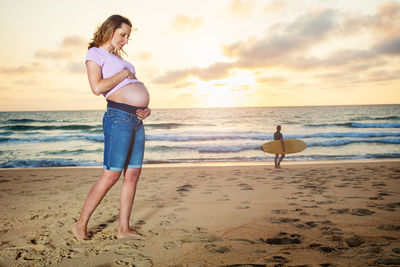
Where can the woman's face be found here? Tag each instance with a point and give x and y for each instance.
(121, 36)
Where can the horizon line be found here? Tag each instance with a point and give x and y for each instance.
(300, 106)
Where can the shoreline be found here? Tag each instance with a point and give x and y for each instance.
(227, 163)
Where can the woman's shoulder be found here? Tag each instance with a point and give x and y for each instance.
(96, 50)
(95, 54)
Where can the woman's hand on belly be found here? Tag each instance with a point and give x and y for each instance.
(143, 113)
(130, 74)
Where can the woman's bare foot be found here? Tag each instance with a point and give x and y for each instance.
(127, 234)
(79, 233)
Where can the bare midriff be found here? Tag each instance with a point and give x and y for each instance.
(134, 94)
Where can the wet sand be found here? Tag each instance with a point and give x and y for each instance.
(337, 214)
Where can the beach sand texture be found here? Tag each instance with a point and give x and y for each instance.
(339, 214)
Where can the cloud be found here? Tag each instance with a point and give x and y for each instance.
(382, 75)
(31, 82)
(291, 45)
(172, 76)
(242, 8)
(71, 47)
(390, 47)
(77, 67)
(276, 6)
(34, 67)
(215, 71)
(386, 21)
(184, 23)
(384, 24)
(272, 79)
(297, 36)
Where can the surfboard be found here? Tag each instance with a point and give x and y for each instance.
(291, 146)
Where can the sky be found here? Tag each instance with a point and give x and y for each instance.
(200, 54)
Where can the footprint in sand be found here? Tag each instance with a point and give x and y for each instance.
(245, 265)
(283, 239)
(245, 187)
(396, 250)
(354, 241)
(219, 249)
(338, 211)
(125, 262)
(389, 227)
(279, 211)
(125, 250)
(243, 240)
(389, 261)
(284, 220)
(135, 243)
(361, 212)
(78, 253)
(278, 259)
(331, 231)
(184, 188)
(169, 245)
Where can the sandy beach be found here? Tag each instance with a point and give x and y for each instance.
(336, 214)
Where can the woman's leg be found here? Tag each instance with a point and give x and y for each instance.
(131, 177)
(96, 194)
(128, 191)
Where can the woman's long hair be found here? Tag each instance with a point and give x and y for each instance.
(106, 31)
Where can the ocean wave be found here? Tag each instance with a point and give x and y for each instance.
(206, 159)
(343, 157)
(6, 133)
(96, 138)
(383, 156)
(205, 137)
(4, 139)
(388, 118)
(25, 121)
(357, 125)
(74, 151)
(375, 125)
(74, 127)
(335, 143)
(348, 134)
(205, 149)
(172, 125)
(50, 139)
(218, 149)
(262, 136)
(46, 163)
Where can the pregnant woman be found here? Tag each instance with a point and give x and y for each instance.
(127, 101)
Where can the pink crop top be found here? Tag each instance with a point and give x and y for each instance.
(110, 65)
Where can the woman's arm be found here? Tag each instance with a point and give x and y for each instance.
(100, 85)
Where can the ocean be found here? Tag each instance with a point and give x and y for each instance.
(75, 138)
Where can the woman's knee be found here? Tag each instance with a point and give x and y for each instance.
(111, 176)
(132, 175)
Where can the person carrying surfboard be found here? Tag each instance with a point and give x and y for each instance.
(278, 136)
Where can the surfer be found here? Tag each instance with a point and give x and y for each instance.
(109, 74)
(278, 136)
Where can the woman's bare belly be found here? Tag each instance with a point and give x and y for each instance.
(134, 94)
